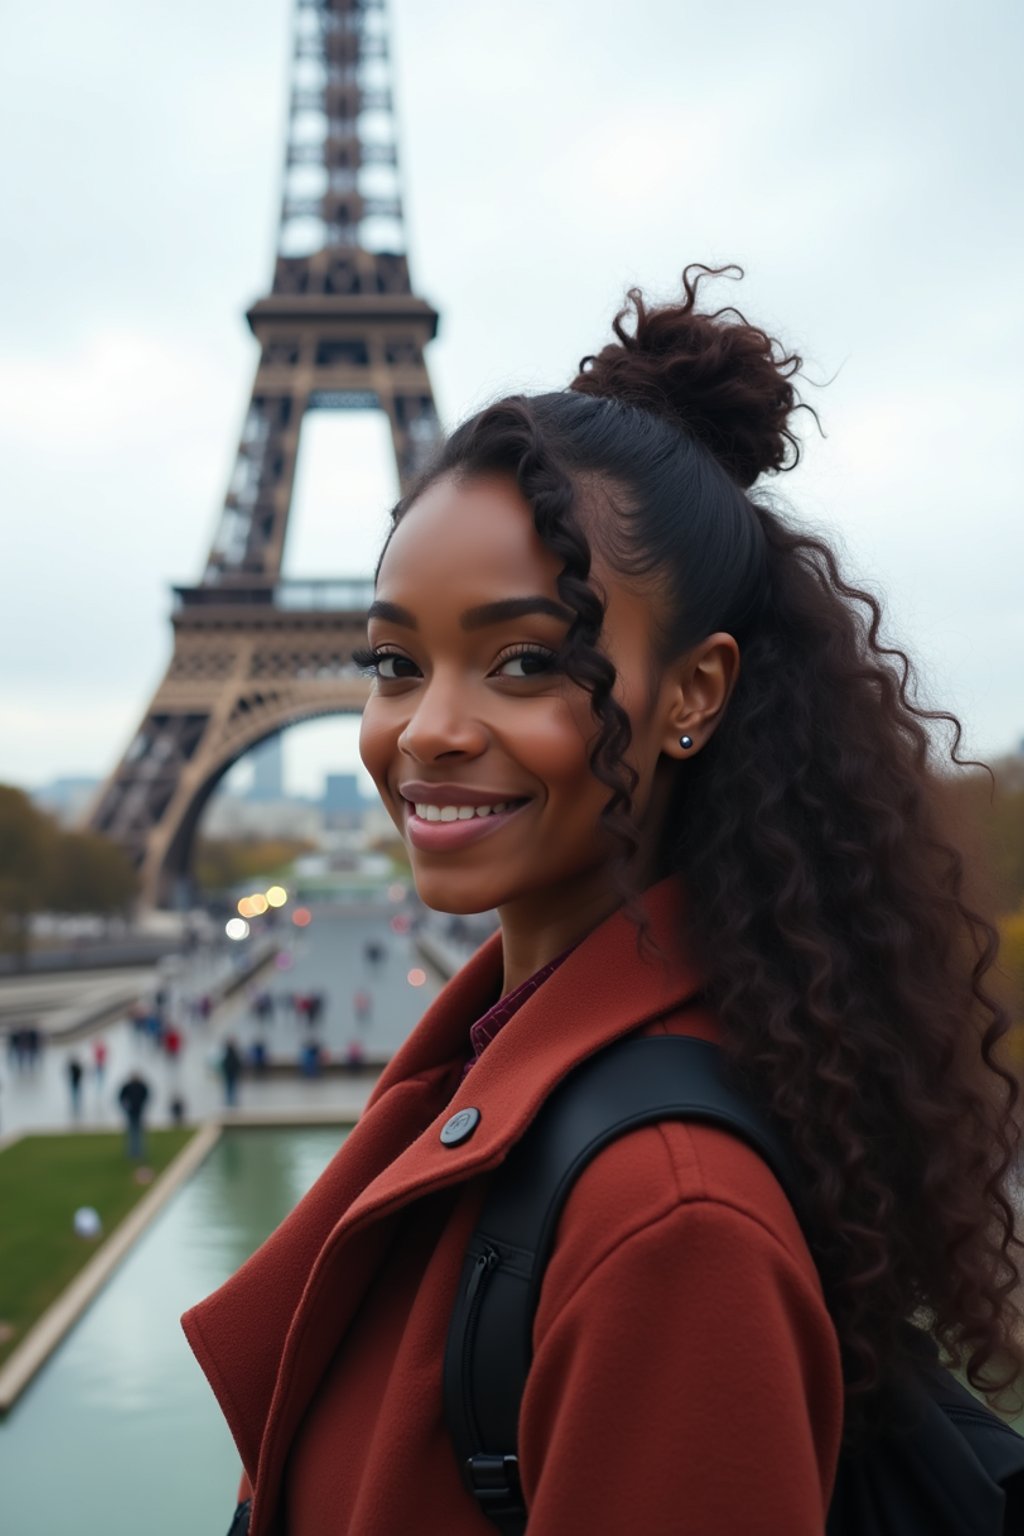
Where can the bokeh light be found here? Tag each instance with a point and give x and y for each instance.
(396, 892)
(258, 904)
(276, 896)
(302, 917)
(400, 923)
(236, 928)
(416, 977)
(245, 907)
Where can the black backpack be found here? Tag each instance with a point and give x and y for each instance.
(956, 1470)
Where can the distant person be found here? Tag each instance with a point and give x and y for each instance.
(133, 1098)
(355, 1056)
(99, 1060)
(231, 1070)
(194, 1008)
(75, 1072)
(178, 1110)
(261, 1007)
(172, 1042)
(258, 1057)
(311, 1059)
(362, 1006)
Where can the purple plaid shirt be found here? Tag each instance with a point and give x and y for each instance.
(497, 1016)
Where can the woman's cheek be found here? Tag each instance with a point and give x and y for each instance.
(558, 748)
(376, 749)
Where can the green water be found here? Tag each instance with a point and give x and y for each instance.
(120, 1435)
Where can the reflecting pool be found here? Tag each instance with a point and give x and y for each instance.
(119, 1434)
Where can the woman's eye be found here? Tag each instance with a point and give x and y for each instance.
(383, 664)
(528, 663)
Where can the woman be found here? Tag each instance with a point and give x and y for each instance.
(636, 711)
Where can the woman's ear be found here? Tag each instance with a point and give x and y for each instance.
(702, 682)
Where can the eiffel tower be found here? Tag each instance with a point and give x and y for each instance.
(340, 329)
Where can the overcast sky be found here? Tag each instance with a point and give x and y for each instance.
(862, 161)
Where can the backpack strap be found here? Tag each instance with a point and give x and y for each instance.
(632, 1083)
(953, 1466)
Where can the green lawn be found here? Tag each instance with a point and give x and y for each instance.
(43, 1181)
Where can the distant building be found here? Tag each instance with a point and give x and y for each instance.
(267, 772)
(238, 816)
(377, 824)
(342, 803)
(67, 798)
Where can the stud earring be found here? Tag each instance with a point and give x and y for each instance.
(686, 742)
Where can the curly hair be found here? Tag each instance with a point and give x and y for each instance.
(846, 963)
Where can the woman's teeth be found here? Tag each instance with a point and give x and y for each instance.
(461, 812)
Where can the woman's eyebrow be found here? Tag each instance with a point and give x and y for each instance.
(477, 618)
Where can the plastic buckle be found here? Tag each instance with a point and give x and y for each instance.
(494, 1481)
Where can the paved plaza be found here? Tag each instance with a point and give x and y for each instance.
(329, 957)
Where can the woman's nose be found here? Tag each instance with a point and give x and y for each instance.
(442, 724)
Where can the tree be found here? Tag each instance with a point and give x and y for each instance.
(89, 873)
(393, 846)
(985, 818)
(26, 850)
(45, 869)
(222, 862)
(1011, 963)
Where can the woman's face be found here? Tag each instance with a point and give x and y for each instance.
(469, 709)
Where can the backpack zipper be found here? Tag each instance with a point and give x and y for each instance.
(483, 1265)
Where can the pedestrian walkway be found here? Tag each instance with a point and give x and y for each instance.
(329, 959)
(65, 1002)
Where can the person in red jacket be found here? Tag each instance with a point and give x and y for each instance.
(625, 702)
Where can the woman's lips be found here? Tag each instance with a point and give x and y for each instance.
(439, 836)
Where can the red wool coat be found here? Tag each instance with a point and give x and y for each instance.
(686, 1377)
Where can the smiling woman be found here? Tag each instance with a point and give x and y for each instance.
(624, 702)
(474, 706)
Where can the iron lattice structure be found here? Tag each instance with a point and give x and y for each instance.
(341, 329)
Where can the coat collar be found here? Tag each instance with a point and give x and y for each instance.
(602, 983)
(265, 1337)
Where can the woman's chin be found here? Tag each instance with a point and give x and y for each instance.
(460, 897)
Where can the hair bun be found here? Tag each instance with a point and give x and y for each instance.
(723, 380)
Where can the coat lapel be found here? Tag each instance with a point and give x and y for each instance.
(298, 1293)
(239, 1333)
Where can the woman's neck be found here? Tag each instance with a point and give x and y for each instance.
(539, 926)
(536, 930)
